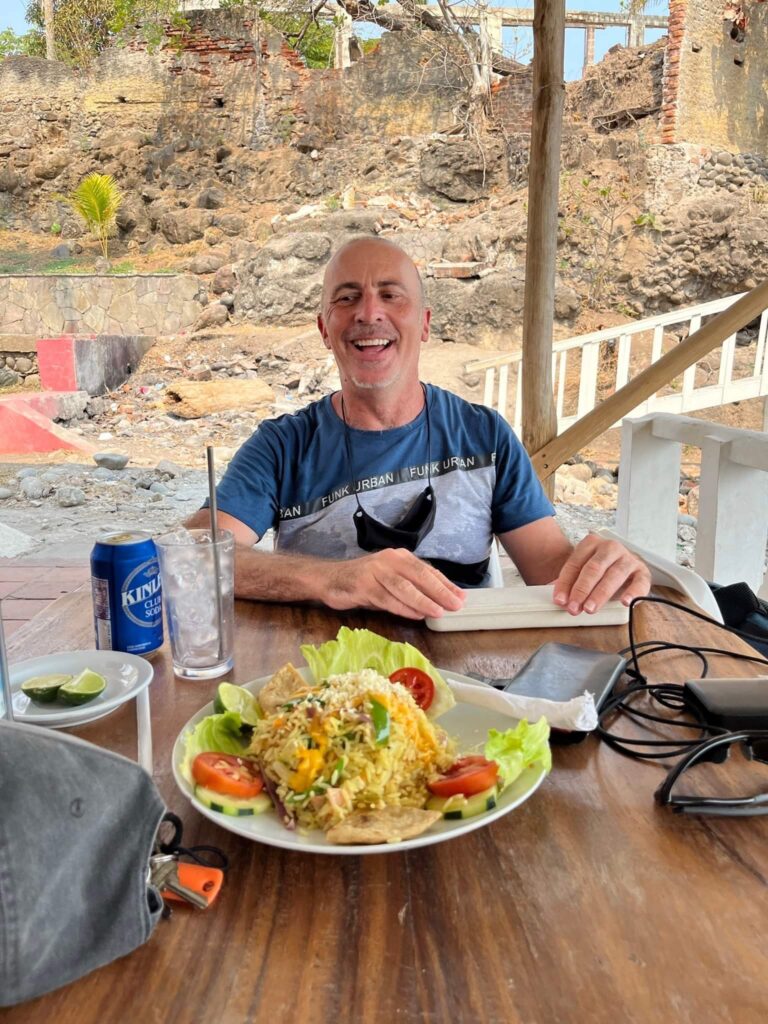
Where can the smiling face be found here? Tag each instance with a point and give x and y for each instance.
(373, 315)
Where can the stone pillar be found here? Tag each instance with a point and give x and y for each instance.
(589, 47)
(342, 36)
(495, 27)
(636, 30)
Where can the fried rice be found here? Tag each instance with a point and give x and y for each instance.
(353, 742)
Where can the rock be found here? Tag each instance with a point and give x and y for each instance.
(61, 252)
(6, 492)
(111, 460)
(459, 170)
(105, 436)
(224, 280)
(102, 265)
(693, 502)
(33, 487)
(309, 141)
(579, 471)
(199, 373)
(157, 487)
(192, 399)
(9, 180)
(27, 472)
(69, 497)
(231, 223)
(210, 199)
(184, 226)
(686, 520)
(212, 316)
(169, 468)
(102, 473)
(8, 378)
(686, 534)
(207, 262)
(23, 365)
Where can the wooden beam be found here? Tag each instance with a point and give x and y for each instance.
(554, 453)
(539, 416)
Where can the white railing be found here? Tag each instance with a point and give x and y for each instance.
(588, 368)
(733, 494)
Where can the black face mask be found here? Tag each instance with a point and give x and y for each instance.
(414, 526)
(417, 522)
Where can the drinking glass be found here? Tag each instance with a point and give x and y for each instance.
(200, 626)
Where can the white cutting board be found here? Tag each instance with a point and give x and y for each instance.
(522, 608)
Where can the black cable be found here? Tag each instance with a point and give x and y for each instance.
(668, 695)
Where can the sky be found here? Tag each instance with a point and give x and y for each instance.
(12, 16)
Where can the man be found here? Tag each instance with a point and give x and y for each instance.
(387, 494)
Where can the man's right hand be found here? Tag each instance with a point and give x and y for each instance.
(393, 580)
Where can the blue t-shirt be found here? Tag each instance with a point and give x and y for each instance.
(293, 474)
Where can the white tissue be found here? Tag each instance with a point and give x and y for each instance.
(576, 715)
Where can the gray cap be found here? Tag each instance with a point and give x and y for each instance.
(77, 828)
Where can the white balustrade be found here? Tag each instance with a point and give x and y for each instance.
(733, 494)
(607, 365)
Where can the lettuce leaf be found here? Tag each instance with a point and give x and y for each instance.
(221, 733)
(356, 649)
(517, 749)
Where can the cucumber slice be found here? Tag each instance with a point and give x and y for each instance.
(235, 807)
(459, 806)
(43, 689)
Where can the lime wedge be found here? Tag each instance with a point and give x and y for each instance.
(43, 689)
(85, 687)
(236, 698)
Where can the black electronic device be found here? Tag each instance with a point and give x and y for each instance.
(560, 672)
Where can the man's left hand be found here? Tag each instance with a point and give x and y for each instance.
(598, 570)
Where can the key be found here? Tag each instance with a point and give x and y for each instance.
(164, 874)
(172, 883)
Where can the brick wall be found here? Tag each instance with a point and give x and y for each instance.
(512, 101)
(721, 97)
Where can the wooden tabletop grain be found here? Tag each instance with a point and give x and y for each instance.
(587, 904)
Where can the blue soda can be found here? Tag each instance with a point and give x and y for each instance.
(127, 595)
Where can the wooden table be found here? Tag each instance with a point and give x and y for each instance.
(587, 904)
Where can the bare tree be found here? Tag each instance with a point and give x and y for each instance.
(50, 38)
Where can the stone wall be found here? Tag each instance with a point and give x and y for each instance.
(229, 80)
(82, 304)
(721, 96)
(685, 171)
(17, 354)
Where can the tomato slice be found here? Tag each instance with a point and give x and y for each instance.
(228, 774)
(421, 686)
(468, 775)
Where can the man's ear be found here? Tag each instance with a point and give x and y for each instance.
(323, 332)
(425, 324)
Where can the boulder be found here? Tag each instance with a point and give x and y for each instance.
(214, 315)
(224, 280)
(193, 399)
(460, 170)
(210, 199)
(184, 226)
(207, 262)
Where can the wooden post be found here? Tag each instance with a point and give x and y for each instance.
(602, 418)
(539, 418)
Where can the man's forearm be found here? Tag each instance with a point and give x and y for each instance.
(270, 576)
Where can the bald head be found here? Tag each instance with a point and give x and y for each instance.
(345, 264)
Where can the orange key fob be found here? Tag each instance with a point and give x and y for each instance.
(200, 878)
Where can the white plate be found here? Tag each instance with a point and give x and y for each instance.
(466, 723)
(126, 676)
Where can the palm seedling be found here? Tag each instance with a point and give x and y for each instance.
(97, 200)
